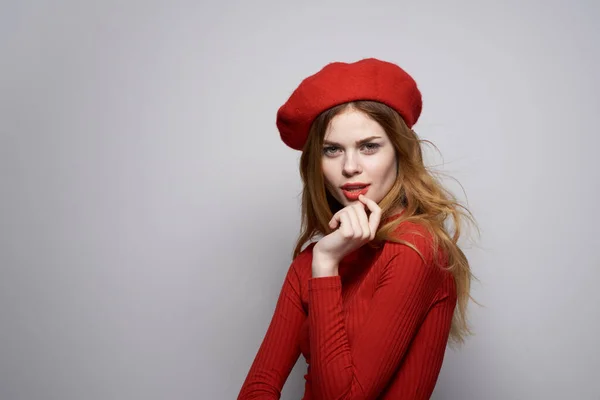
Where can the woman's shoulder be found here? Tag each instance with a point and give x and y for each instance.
(412, 236)
(301, 265)
(414, 231)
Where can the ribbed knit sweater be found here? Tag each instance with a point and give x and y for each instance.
(378, 330)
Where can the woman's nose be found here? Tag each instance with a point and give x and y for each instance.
(351, 166)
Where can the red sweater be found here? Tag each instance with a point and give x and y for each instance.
(378, 330)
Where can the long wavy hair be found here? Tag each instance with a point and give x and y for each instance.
(417, 190)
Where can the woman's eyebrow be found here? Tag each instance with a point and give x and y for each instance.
(357, 142)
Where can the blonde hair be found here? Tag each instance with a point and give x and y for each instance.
(424, 199)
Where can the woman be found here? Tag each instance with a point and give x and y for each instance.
(373, 303)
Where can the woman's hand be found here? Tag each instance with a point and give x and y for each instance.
(355, 230)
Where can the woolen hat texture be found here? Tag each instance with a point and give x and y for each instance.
(341, 82)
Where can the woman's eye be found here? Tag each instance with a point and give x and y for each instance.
(329, 150)
(372, 146)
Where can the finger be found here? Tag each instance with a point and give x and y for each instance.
(356, 225)
(369, 204)
(346, 225)
(335, 221)
(375, 216)
(363, 220)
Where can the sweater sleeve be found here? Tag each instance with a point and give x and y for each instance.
(279, 350)
(404, 294)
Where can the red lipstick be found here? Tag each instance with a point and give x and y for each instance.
(353, 190)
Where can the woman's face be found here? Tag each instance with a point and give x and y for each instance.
(356, 149)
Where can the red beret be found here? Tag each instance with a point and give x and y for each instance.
(340, 82)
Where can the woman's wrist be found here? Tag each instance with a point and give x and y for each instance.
(323, 265)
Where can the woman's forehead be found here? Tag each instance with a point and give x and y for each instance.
(352, 126)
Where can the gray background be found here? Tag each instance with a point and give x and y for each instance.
(149, 208)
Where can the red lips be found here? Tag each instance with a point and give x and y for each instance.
(354, 185)
(359, 188)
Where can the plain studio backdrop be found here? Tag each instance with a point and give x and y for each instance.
(149, 208)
